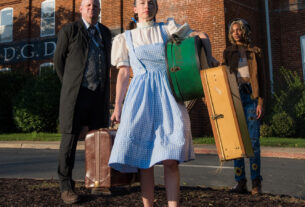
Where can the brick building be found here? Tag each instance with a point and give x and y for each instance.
(28, 31)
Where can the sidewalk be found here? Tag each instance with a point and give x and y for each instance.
(280, 152)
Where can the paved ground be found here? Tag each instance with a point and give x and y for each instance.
(281, 176)
(279, 152)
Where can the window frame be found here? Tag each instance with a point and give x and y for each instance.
(2, 25)
(43, 33)
(47, 64)
(6, 69)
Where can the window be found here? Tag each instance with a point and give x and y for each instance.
(47, 26)
(5, 69)
(6, 25)
(303, 54)
(46, 68)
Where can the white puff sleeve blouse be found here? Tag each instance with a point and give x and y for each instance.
(145, 33)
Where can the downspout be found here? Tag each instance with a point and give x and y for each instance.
(122, 18)
(29, 31)
(30, 18)
(73, 11)
(269, 45)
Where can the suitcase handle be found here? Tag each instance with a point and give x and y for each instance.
(112, 125)
(217, 116)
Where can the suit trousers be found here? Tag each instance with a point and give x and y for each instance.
(87, 111)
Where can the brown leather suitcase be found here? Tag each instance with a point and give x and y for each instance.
(98, 145)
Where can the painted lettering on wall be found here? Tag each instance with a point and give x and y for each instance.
(25, 50)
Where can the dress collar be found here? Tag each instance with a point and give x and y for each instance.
(145, 24)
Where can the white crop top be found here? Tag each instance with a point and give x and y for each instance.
(243, 69)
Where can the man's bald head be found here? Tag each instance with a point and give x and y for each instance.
(90, 10)
(84, 1)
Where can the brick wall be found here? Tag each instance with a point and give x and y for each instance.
(287, 26)
(201, 15)
(112, 14)
(26, 25)
(20, 27)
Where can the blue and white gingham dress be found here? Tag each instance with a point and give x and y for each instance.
(154, 127)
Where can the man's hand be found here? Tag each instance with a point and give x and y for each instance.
(83, 133)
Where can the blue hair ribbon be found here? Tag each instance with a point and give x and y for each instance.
(133, 19)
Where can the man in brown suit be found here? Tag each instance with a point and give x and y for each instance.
(82, 62)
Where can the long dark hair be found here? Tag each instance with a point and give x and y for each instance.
(132, 24)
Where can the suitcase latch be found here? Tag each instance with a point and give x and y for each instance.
(217, 116)
(175, 69)
(96, 184)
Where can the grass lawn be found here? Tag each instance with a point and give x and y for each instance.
(30, 137)
(265, 141)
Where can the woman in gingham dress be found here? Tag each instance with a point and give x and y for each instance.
(154, 128)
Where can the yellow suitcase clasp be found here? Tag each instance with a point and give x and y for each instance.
(217, 116)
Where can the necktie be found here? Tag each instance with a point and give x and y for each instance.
(95, 36)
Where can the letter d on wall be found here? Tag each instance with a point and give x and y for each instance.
(9, 54)
(47, 50)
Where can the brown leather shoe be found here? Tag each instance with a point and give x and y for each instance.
(69, 197)
(256, 186)
(100, 191)
(240, 187)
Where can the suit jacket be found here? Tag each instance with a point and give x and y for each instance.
(70, 61)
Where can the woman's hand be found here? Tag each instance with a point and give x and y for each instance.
(214, 62)
(116, 115)
(259, 111)
(207, 45)
(202, 35)
(121, 88)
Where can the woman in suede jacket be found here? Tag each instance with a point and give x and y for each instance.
(246, 61)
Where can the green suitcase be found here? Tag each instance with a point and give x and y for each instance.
(185, 59)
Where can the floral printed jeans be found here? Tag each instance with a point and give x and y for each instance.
(253, 124)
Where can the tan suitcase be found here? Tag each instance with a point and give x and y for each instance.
(226, 113)
(98, 145)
